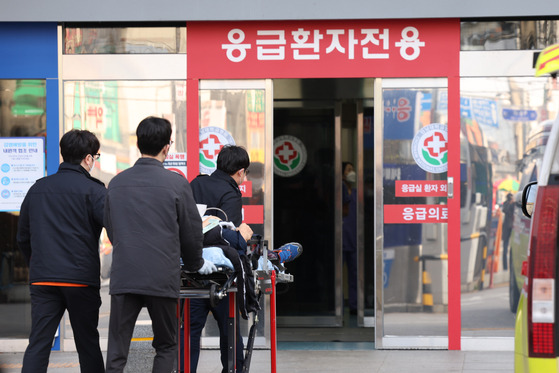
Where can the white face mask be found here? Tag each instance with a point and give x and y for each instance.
(92, 165)
(351, 177)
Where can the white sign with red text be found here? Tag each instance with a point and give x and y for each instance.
(415, 214)
(421, 188)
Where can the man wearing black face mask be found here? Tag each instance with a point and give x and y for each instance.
(58, 232)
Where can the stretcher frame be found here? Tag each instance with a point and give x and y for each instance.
(222, 287)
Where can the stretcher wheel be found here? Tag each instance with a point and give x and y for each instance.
(214, 297)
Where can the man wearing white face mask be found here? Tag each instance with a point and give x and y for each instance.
(349, 194)
(58, 232)
(152, 221)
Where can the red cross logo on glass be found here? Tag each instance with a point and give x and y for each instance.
(286, 152)
(435, 145)
(211, 146)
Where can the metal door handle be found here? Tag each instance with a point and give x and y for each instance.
(450, 187)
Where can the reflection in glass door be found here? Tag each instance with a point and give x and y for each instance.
(502, 150)
(411, 191)
(320, 124)
(109, 95)
(238, 113)
(307, 190)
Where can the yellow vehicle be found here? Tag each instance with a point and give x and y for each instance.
(537, 329)
(528, 169)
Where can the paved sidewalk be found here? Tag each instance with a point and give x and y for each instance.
(324, 361)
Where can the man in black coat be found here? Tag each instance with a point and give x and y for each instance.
(152, 221)
(60, 222)
(221, 189)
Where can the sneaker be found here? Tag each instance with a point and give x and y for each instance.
(288, 252)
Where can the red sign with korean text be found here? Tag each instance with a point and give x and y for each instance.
(253, 214)
(414, 214)
(421, 188)
(246, 189)
(323, 49)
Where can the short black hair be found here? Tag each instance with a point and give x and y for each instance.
(153, 134)
(76, 144)
(232, 158)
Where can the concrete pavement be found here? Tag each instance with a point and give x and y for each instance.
(321, 361)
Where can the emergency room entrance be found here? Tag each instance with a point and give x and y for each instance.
(335, 92)
(386, 135)
(318, 125)
(307, 129)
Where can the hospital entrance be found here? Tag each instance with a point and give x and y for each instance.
(319, 124)
(401, 290)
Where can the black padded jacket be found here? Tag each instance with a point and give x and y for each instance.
(59, 225)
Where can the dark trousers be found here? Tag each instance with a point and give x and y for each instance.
(124, 313)
(48, 304)
(199, 309)
(350, 258)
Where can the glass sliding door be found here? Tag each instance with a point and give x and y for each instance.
(239, 113)
(505, 126)
(412, 213)
(109, 93)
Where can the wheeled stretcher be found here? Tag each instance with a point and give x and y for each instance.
(221, 284)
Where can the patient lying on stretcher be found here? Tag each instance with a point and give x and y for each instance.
(234, 236)
(226, 247)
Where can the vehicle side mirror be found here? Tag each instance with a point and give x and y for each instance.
(529, 198)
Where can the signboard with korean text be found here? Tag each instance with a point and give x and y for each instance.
(246, 189)
(520, 115)
(400, 113)
(413, 214)
(322, 49)
(483, 110)
(252, 214)
(241, 52)
(176, 162)
(22, 162)
(421, 188)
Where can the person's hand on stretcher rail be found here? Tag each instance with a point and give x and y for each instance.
(207, 268)
(245, 231)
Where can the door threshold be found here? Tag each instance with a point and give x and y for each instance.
(487, 343)
(329, 346)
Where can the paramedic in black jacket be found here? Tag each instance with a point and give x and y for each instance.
(221, 189)
(60, 222)
(152, 221)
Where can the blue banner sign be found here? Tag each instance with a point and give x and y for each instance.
(399, 114)
(483, 110)
(520, 115)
